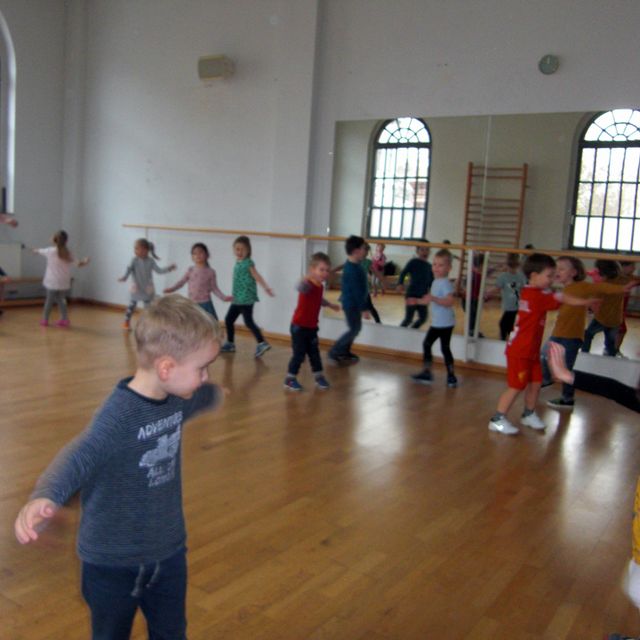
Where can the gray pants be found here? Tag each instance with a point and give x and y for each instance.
(59, 296)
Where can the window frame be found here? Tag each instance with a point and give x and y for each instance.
(583, 144)
(376, 145)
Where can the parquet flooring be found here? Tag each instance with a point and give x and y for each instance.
(377, 510)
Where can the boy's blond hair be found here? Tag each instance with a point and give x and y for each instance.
(172, 326)
(445, 254)
(318, 257)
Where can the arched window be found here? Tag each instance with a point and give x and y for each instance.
(606, 214)
(399, 191)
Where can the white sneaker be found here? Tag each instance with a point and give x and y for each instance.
(503, 426)
(533, 421)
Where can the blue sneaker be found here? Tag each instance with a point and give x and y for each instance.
(262, 347)
(322, 383)
(292, 384)
(228, 347)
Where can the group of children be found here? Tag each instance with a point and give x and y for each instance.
(127, 462)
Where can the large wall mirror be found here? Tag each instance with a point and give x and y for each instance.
(421, 190)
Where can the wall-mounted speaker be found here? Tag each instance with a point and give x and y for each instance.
(212, 67)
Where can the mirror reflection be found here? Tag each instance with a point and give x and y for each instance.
(500, 181)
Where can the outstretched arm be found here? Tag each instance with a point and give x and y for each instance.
(260, 280)
(7, 218)
(178, 284)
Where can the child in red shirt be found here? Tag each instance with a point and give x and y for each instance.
(524, 370)
(304, 324)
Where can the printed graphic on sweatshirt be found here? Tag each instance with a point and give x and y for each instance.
(161, 461)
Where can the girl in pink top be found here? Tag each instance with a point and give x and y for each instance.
(57, 277)
(201, 279)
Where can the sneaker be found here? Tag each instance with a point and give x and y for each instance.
(502, 425)
(561, 404)
(228, 347)
(424, 377)
(44, 323)
(351, 357)
(322, 383)
(452, 381)
(292, 384)
(533, 421)
(126, 325)
(62, 323)
(617, 636)
(262, 348)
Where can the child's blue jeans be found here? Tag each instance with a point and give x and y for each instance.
(610, 334)
(115, 593)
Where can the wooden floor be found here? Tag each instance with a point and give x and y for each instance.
(376, 510)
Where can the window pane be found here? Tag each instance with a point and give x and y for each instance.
(407, 224)
(609, 233)
(401, 162)
(593, 235)
(418, 224)
(387, 193)
(631, 165)
(615, 170)
(421, 194)
(602, 164)
(385, 224)
(597, 199)
(409, 194)
(396, 221)
(628, 200)
(636, 238)
(586, 169)
(380, 162)
(377, 193)
(390, 163)
(584, 199)
(625, 230)
(580, 232)
(412, 162)
(613, 200)
(374, 229)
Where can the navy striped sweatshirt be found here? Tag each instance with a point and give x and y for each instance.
(126, 465)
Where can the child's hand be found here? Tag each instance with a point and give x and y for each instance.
(167, 290)
(12, 222)
(84, 262)
(426, 299)
(173, 267)
(555, 358)
(121, 279)
(32, 519)
(228, 298)
(412, 301)
(334, 307)
(366, 315)
(270, 292)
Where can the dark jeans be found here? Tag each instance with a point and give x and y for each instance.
(610, 334)
(372, 310)
(304, 342)
(246, 310)
(342, 346)
(444, 335)
(209, 308)
(571, 350)
(507, 322)
(410, 310)
(115, 593)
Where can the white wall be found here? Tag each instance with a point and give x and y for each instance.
(37, 31)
